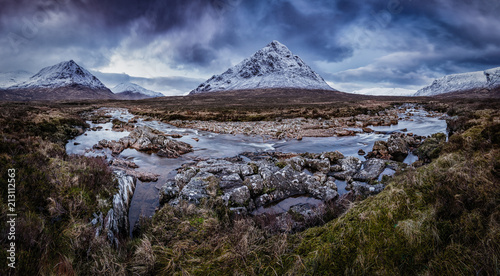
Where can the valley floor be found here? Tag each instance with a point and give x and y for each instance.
(442, 218)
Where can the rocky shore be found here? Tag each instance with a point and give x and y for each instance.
(297, 127)
(148, 140)
(115, 224)
(250, 183)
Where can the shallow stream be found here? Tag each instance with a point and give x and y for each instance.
(213, 145)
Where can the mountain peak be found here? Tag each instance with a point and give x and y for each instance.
(66, 73)
(275, 44)
(273, 66)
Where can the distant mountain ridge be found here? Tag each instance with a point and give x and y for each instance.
(132, 91)
(274, 66)
(472, 81)
(381, 91)
(63, 81)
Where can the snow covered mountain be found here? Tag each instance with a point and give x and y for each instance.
(63, 81)
(66, 73)
(381, 91)
(132, 91)
(274, 66)
(12, 78)
(473, 81)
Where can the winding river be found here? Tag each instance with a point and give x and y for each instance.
(213, 145)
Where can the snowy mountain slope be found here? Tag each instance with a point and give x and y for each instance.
(63, 81)
(66, 73)
(488, 79)
(274, 66)
(12, 78)
(132, 88)
(381, 91)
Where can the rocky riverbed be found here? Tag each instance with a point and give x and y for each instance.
(298, 128)
(290, 179)
(251, 183)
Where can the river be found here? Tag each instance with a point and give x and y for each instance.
(213, 145)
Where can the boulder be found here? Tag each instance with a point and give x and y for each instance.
(317, 165)
(379, 150)
(370, 170)
(302, 211)
(254, 184)
(398, 147)
(363, 189)
(183, 177)
(168, 192)
(229, 181)
(325, 192)
(349, 165)
(298, 163)
(147, 139)
(285, 183)
(196, 189)
(239, 196)
(333, 157)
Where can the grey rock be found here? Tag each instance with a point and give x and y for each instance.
(286, 182)
(317, 165)
(304, 210)
(196, 189)
(350, 163)
(297, 163)
(371, 169)
(398, 147)
(246, 170)
(231, 177)
(333, 157)
(168, 192)
(319, 190)
(336, 168)
(230, 181)
(255, 184)
(363, 189)
(183, 177)
(237, 196)
(262, 200)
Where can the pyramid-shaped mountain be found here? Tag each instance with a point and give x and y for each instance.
(274, 66)
(63, 81)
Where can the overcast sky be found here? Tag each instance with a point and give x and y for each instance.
(172, 46)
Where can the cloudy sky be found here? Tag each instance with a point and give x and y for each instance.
(172, 46)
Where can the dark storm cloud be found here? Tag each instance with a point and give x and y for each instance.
(403, 42)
